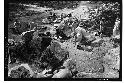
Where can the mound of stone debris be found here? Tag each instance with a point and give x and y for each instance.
(24, 70)
(50, 62)
(64, 60)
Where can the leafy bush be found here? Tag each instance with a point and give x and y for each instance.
(21, 72)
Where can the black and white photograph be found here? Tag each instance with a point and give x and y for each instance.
(62, 40)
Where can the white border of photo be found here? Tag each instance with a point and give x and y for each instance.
(2, 50)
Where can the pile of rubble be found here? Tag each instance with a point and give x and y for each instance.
(62, 47)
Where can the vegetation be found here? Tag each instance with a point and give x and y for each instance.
(46, 53)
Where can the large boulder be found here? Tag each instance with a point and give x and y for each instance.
(44, 74)
(63, 73)
(54, 55)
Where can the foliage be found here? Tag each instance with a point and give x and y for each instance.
(107, 13)
(21, 72)
(59, 4)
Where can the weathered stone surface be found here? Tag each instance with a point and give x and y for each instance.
(63, 73)
(40, 75)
